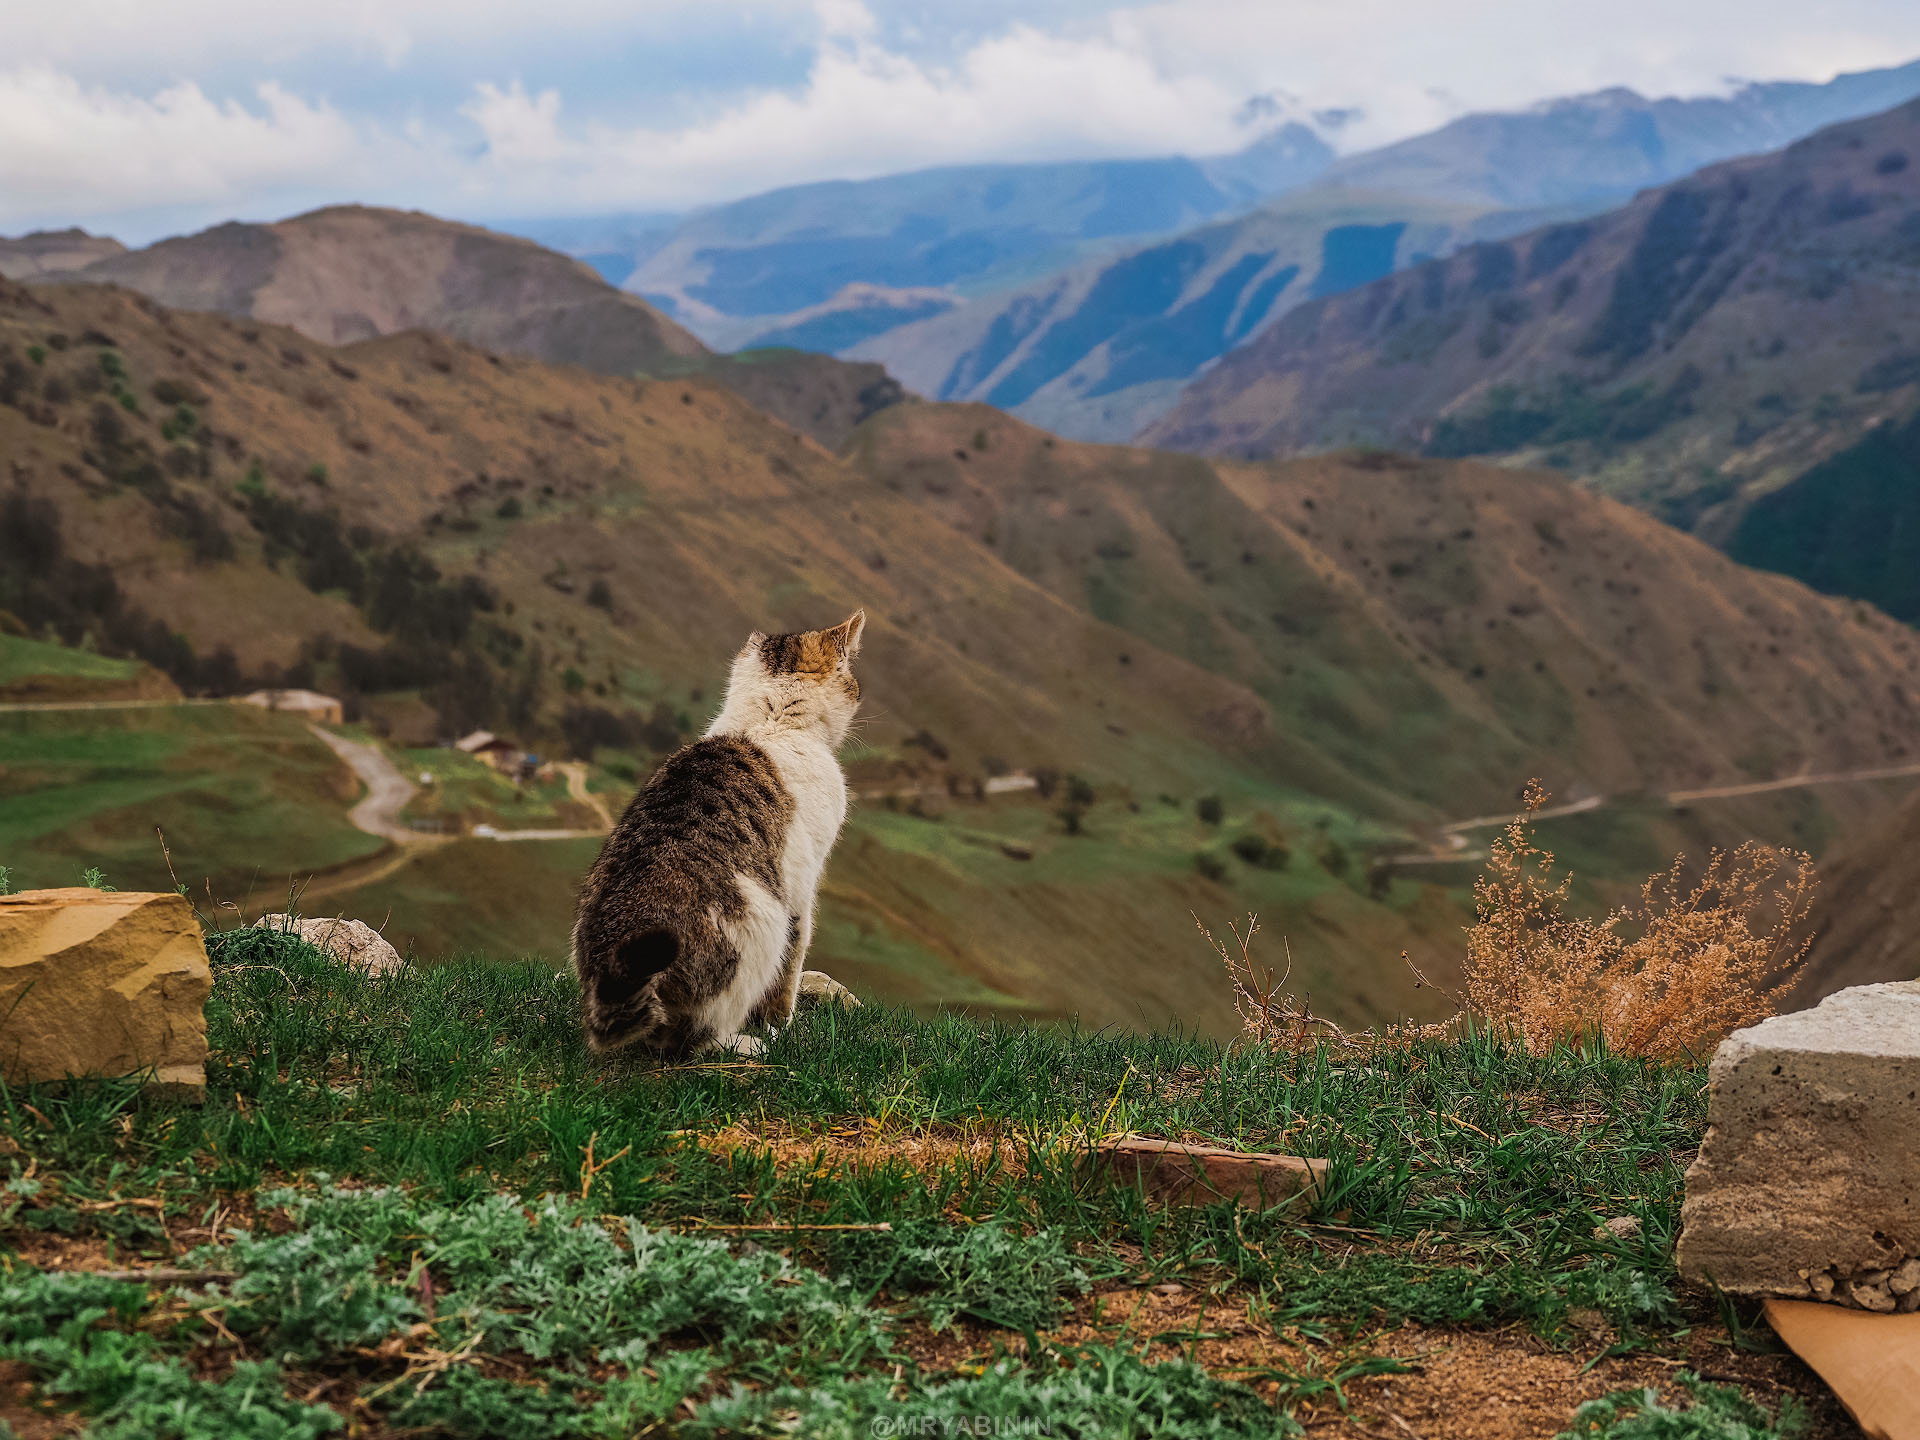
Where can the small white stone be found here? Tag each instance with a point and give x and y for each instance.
(353, 942)
(817, 987)
(1618, 1227)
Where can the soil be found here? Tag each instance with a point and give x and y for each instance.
(1462, 1384)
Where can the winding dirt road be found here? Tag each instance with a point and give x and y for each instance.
(378, 811)
(1452, 849)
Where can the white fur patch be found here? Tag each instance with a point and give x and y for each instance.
(759, 936)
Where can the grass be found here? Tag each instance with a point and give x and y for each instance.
(21, 658)
(465, 790)
(441, 1214)
(1717, 1412)
(246, 797)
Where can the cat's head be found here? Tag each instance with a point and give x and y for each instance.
(801, 681)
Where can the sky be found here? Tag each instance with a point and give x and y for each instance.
(141, 118)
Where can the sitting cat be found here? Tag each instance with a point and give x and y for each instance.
(694, 921)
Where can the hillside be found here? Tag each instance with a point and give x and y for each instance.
(1096, 351)
(887, 1223)
(453, 538)
(1702, 345)
(36, 671)
(48, 252)
(1869, 909)
(352, 273)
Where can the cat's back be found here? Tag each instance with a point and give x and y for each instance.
(714, 808)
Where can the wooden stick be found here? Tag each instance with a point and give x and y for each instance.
(164, 1275)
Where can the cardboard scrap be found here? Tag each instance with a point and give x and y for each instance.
(1871, 1362)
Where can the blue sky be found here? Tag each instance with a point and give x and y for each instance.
(142, 119)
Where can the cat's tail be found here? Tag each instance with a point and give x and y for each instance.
(620, 993)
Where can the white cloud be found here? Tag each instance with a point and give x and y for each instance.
(865, 110)
(84, 150)
(112, 109)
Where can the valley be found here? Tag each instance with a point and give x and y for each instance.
(1244, 686)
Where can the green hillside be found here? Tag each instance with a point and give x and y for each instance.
(1849, 526)
(244, 798)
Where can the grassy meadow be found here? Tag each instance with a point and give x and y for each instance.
(414, 1205)
(245, 798)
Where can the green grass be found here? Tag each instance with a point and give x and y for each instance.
(246, 798)
(1717, 1412)
(20, 658)
(464, 787)
(397, 1113)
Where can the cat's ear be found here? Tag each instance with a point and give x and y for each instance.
(755, 640)
(845, 637)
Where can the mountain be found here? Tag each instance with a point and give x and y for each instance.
(1868, 910)
(1346, 650)
(47, 252)
(1592, 150)
(1693, 350)
(351, 272)
(1101, 351)
(746, 272)
(1092, 352)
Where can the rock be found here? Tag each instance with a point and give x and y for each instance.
(817, 987)
(1179, 1174)
(1872, 1294)
(1805, 1184)
(1618, 1227)
(1905, 1279)
(358, 945)
(103, 983)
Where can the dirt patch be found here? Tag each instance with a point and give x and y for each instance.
(19, 1410)
(1461, 1384)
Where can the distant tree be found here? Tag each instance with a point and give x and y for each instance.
(1211, 809)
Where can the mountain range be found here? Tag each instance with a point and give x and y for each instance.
(1341, 651)
(1042, 287)
(1480, 178)
(1693, 352)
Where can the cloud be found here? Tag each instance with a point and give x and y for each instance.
(205, 108)
(865, 110)
(69, 149)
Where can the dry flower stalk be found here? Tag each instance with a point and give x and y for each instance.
(1673, 974)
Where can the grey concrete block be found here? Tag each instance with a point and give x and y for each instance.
(1808, 1184)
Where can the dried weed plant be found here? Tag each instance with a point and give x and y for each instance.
(1270, 1016)
(1673, 974)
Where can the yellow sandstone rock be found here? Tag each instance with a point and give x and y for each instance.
(102, 983)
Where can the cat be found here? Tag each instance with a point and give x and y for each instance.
(696, 916)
